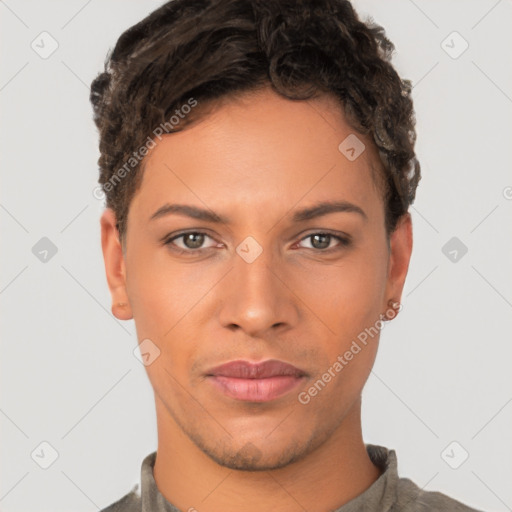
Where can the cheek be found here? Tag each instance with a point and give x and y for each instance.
(346, 296)
(165, 298)
(161, 293)
(351, 307)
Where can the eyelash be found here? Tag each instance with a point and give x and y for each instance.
(345, 241)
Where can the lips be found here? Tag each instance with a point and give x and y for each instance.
(246, 370)
(255, 382)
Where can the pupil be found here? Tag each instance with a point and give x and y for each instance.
(197, 240)
(324, 245)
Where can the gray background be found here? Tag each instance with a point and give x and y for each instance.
(68, 373)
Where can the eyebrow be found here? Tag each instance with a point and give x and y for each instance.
(305, 214)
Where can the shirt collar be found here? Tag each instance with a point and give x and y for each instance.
(379, 496)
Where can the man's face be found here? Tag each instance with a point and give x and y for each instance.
(262, 285)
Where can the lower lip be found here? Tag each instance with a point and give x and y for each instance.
(255, 390)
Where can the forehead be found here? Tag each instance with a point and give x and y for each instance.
(263, 152)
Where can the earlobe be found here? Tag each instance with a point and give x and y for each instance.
(115, 269)
(400, 255)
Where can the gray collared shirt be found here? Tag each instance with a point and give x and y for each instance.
(389, 493)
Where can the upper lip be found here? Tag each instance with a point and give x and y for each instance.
(246, 370)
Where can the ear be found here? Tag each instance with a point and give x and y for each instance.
(400, 255)
(114, 265)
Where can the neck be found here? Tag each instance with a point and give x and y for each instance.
(335, 473)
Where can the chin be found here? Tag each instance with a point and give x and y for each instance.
(252, 458)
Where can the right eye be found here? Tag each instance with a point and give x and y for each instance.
(191, 242)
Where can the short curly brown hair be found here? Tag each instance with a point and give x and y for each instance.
(190, 51)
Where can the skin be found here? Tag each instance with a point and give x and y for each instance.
(257, 160)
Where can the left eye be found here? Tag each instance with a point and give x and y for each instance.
(323, 240)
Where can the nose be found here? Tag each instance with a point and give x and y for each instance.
(257, 298)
